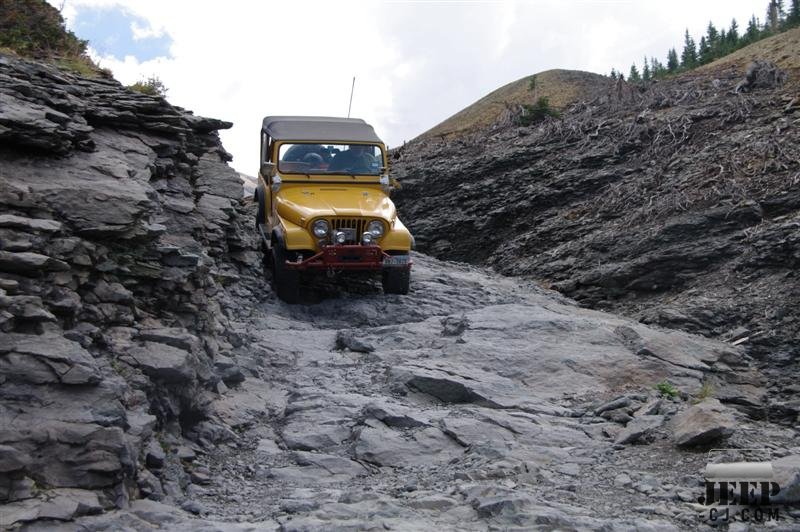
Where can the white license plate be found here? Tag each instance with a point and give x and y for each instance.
(396, 260)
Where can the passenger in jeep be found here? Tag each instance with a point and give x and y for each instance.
(355, 159)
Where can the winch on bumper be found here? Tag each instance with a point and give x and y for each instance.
(339, 257)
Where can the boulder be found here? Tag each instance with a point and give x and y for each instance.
(348, 339)
(638, 427)
(65, 454)
(172, 336)
(112, 293)
(705, 423)
(12, 460)
(29, 224)
(65, 504)
(44, 359)
(29, 263)
(29, 308)
(164, 362)
(380, 445)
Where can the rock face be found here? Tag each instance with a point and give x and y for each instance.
(675, 203)
(119, 238)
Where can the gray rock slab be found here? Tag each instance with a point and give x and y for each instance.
(638, 428)
(164, 362)
(48, 358)
(704, 423)
(380, 445)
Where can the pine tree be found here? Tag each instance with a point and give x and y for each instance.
(657, 69)
(793, 19)
(722, 45)
(634, 74)
(689, 55)
(773, 16)
(711, 35)
(646, 73)
(672, 61)
(751, 35)
(733, 34)
(613, 73)
(703, 51)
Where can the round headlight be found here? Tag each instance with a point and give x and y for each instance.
(320, 228)
(375, 228)
(367, 238)
(340, 237)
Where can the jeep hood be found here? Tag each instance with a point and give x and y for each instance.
(300, 204)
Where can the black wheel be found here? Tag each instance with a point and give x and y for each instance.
(266, 261)
(396, 280)
(260, 218)
(285, 282)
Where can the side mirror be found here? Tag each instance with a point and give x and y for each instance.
(268, 169)
(387, 183)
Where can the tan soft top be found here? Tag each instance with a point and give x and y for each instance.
(319, 128)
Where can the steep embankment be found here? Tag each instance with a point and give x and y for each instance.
(677, 203)
(120, 254)
(561, 87)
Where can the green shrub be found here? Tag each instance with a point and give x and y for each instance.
(666, 389)
(34, 28)
(151, 86)
(537, 112)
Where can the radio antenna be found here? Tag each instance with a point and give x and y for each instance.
(352, 88)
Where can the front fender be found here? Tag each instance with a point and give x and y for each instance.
(398, 238)
(295, 237)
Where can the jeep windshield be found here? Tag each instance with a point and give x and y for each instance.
(350, 159)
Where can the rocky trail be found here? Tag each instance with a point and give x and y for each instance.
(474, 403)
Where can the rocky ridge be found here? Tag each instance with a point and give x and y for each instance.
(121, 253)
(674, 202)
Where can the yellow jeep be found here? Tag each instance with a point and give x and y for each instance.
(323, 204)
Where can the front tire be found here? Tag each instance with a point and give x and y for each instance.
(285, 282)
(396, 280)
(260, 218)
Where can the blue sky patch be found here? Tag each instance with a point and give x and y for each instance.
(110, 31)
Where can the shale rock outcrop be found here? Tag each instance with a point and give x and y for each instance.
(120, 243)
(676, 202)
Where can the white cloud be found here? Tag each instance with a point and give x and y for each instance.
(145, 32)
(416, 63)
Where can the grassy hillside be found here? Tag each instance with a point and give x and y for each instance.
(562, 87)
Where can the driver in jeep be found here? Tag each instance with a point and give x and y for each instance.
(355, 159)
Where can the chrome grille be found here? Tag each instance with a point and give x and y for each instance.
(356, 227)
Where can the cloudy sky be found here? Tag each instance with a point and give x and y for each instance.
(416, 62)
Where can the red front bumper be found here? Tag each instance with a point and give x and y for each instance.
(348, 257)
